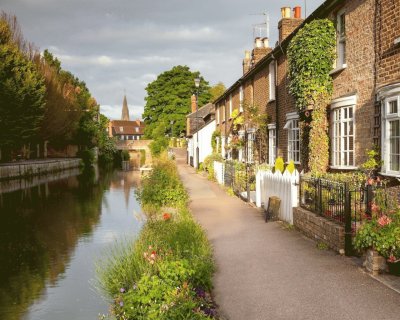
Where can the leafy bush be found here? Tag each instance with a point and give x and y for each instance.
(382, 234)
(291, 167)
(158, 145)
(87, 157)
(279, 165)
(142, 157)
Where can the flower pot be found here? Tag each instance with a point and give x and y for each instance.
(394, 268)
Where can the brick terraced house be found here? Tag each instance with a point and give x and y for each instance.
(365, 106)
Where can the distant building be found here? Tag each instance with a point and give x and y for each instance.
(125, 129)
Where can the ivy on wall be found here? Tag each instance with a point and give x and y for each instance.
(311, 54)
(216, 141)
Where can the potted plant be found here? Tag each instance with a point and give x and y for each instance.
(383, 235)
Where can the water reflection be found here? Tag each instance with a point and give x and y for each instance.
(50, 236)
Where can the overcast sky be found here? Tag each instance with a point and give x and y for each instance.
(117, 45)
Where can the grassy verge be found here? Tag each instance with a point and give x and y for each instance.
(166, 273)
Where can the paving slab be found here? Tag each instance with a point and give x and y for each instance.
(266, 271)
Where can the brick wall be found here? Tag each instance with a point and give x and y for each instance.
(319, 229)
(358, 77)
(388, 53)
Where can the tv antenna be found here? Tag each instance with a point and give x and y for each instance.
(261, 29)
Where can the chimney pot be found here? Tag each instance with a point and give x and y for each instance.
(297, 12)
(258, 43)
(285, 11)
(247, 55)
(266, 42)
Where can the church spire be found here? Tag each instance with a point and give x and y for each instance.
(125, 110)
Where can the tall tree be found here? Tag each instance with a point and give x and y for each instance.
(216, 91)
(168, 101)
(22, 94)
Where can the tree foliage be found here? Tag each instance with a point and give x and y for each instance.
(39, 101)
(216, 91)
(168, 101)
(311, 54)
(22, 94)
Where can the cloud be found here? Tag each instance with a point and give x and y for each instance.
(114, 112)
(121, 46)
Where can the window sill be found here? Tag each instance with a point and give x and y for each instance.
(341, 68)
(396, 41)
(271, 100)
(295, 162)
(390, 174)
(344, 167)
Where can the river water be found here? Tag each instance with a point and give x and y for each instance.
(52, 236)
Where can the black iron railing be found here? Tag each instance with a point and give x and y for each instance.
(339, 203)
(241, 177)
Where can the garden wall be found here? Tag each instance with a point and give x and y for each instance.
(319, 228)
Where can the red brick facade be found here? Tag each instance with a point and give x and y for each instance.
(370, 66)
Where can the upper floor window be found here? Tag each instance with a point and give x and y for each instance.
(121, 129)
(136, 129)
(241, 98)
(341, 40)
(292, 125)
(272, 82)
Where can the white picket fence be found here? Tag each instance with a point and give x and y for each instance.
(219, 172)
(284, 186)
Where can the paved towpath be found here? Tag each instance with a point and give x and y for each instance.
(268, 272)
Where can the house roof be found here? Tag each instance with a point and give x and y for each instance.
(128, 127)
(321, 12)
(203, 112)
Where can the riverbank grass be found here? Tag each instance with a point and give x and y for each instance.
(166, 273)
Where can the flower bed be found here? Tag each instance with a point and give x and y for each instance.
(166, 273)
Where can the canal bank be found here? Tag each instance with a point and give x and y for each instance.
(28, 168)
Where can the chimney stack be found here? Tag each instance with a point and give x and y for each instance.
(246, 62)
(288, 24)
(194, 103)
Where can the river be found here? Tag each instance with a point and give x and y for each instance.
(52, 236)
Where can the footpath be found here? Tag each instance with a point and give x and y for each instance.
(266, 271)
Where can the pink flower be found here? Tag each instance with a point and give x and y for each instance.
(392, 258)
(375, 208)
(384, 220)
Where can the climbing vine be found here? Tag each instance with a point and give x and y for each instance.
(311, 54)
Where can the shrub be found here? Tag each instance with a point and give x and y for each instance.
(162, 187)
(291, 167)
(279, 165)
(87, 157)
(158, 145)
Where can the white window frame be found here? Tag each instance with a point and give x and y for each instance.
(241, 98)
(385, 96)
(292, 125)
(230, 106)
(250, 145)
(341, 40)
(340, 158)
(271, 144)
(272, 80)
(387, 118)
